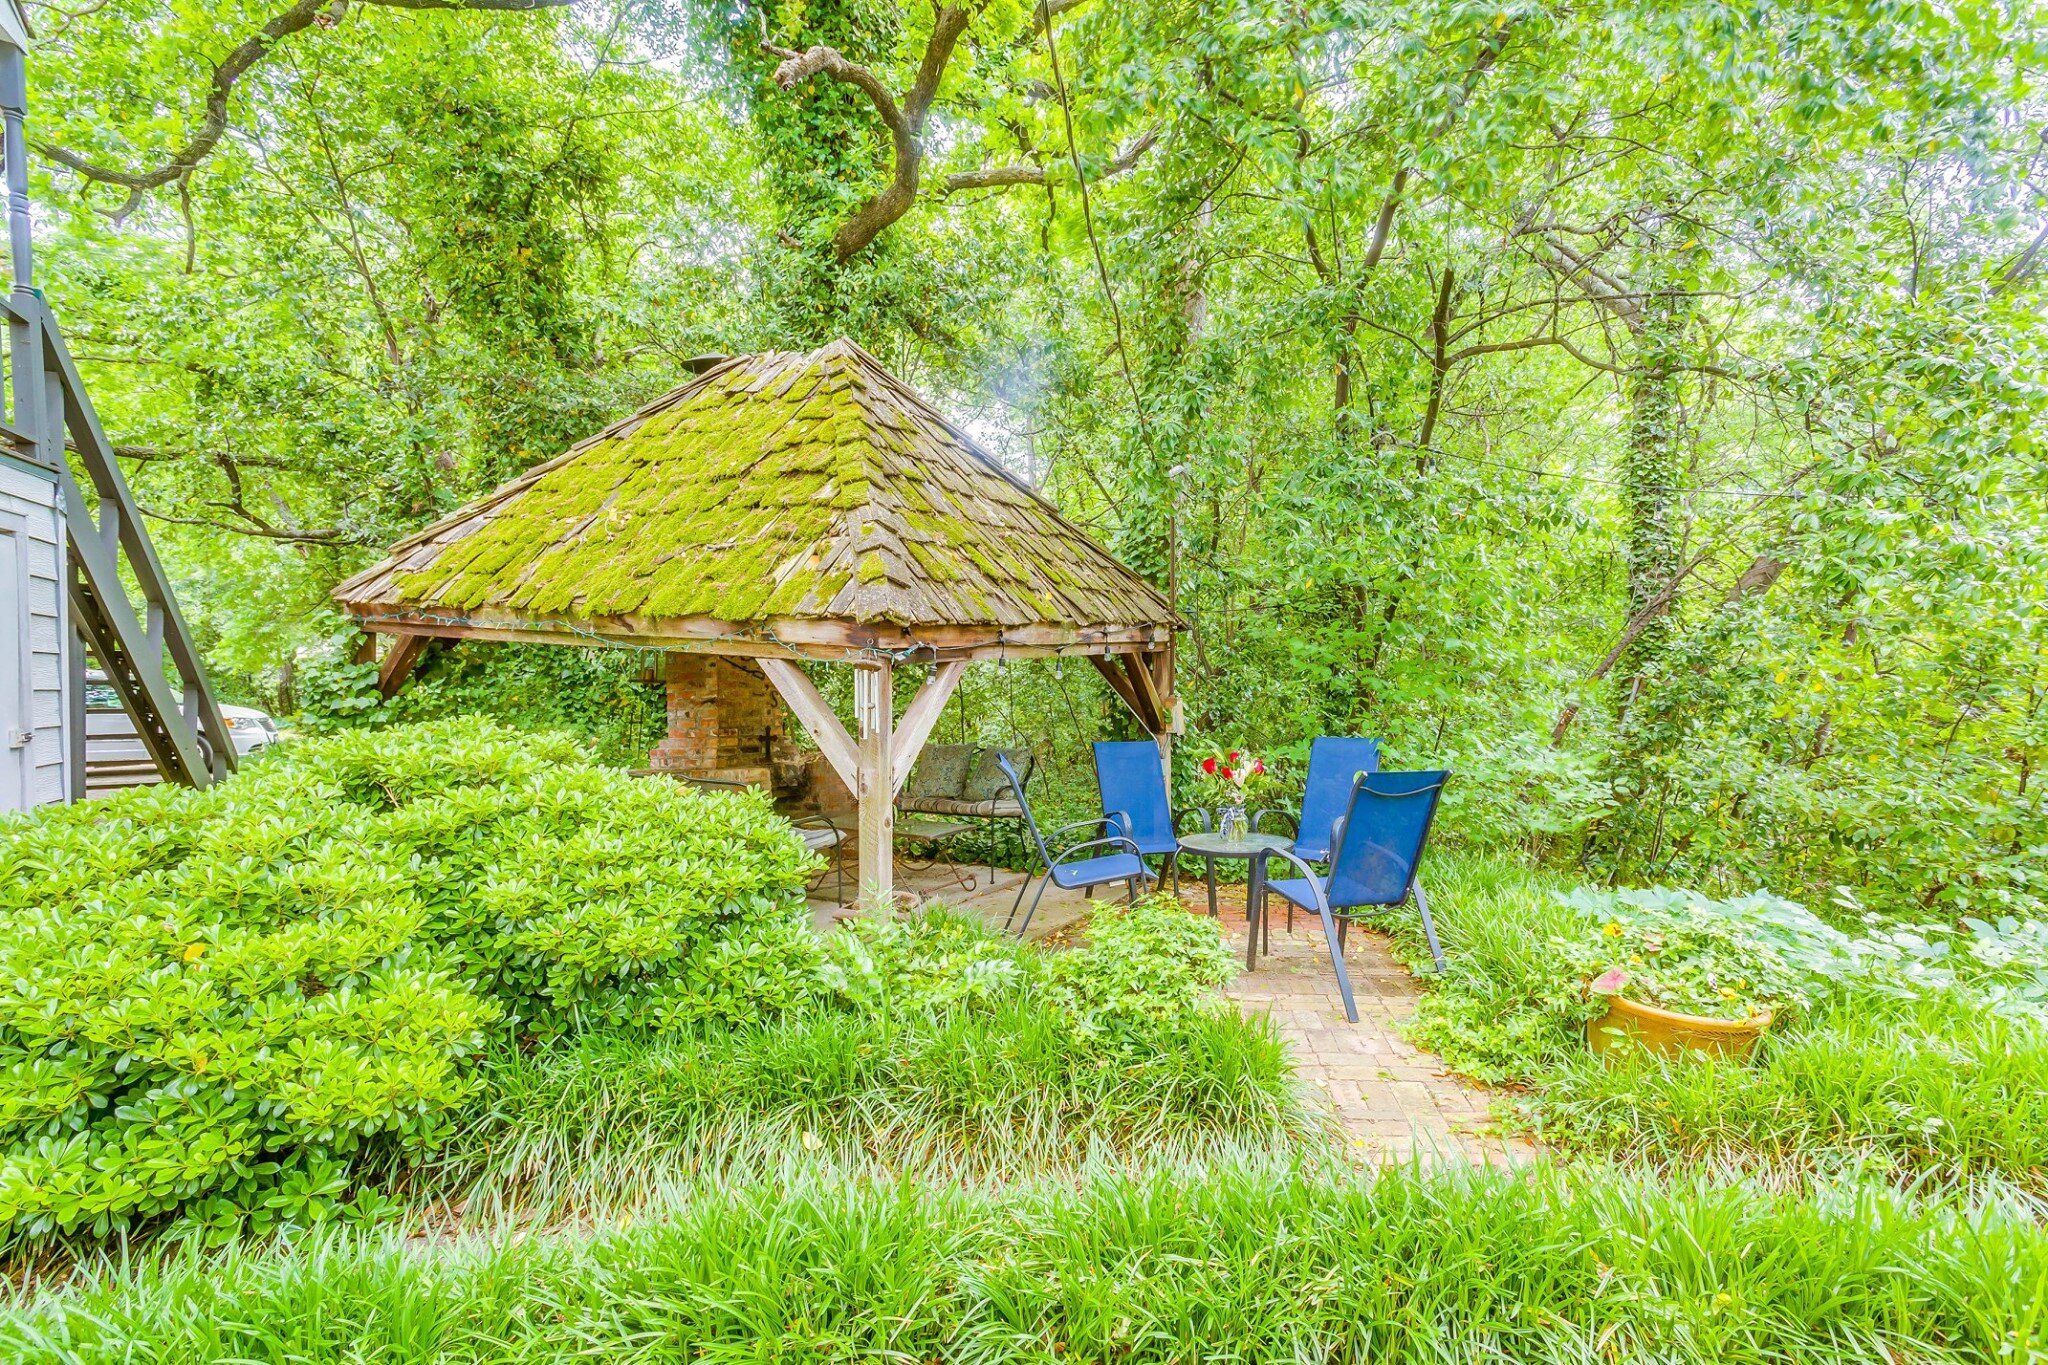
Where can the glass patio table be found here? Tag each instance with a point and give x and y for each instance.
(1255, 849)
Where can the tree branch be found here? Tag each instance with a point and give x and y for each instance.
(995, 178)
(1439, 364)
(905, 121)
(328, 536)
(1048, 10)
(998, 177)
(245, 55)
(1763, 571)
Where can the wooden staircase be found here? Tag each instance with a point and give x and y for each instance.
(49, 419)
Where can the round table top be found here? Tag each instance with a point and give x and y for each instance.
(1243, 846)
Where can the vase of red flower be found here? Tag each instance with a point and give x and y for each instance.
(1226, 778)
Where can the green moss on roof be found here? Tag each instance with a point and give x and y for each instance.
(774, 485)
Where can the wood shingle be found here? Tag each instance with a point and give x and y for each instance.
(773, 496)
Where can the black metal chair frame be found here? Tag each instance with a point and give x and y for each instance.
(837, 845)
(1049, 862)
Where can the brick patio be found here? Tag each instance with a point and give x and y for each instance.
(1393, 1101)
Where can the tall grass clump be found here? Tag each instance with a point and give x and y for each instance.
(941, 1048)
(1246, 1264)
(1906, 1092)
(1917, 1055)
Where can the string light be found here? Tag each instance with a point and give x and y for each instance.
(761, 635)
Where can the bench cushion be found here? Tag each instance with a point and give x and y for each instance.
(818, 840)
(941, 770)
(941, 805)
(985, 781)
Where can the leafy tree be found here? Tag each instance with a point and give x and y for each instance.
(1630, 406)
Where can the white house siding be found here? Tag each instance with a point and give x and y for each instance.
(31, 530)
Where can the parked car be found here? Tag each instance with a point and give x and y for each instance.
(114, 753)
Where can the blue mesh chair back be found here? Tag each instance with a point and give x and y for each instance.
(1334, 763)
(1381, 842)
(1131, 781)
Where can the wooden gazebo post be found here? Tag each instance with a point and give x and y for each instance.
(874, 704)
(874, 766)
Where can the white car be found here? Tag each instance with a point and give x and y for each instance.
(114, 754)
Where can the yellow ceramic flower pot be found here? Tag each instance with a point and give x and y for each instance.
(1668, 1032)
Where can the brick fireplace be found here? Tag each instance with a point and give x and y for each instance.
(726, 721)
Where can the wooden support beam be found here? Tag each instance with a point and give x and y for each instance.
(777, 637)
(818, 719)
(919, 718)
(1132, 680)
(1119, 681)
(398, 663)
(874, 708)
(366, 652)
(1161, 661)
(1151, 710)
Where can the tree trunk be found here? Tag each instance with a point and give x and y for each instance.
(1651, 467)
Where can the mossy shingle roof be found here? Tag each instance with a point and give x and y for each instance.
(773, 486)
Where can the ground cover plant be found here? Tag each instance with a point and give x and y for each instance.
(1193, 1264)
(1908, 1053)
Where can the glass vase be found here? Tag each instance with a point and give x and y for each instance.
(1231, 822)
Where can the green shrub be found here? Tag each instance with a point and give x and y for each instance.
(925, 961)
(211, 1001)
(194, 1010)
(1152, 960)
(1148, 961)
(572, 894)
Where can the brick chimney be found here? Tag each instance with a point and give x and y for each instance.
(726, 721)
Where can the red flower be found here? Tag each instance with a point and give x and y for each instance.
(1209, 765)
(1227, 773)
(1258, 767)
(1233, 755)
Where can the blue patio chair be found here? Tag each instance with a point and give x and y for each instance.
(1124, 864)
(1132, 784)
(1377, 849)
(1334, 763)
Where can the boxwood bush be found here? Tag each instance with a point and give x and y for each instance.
(212, 1002)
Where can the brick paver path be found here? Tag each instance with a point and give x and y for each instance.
(1394, 1101)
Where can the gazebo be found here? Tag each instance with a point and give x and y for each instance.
(782, 507)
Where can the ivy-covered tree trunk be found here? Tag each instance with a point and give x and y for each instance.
(1652, 466)
(824, 153)
(1653, 463)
